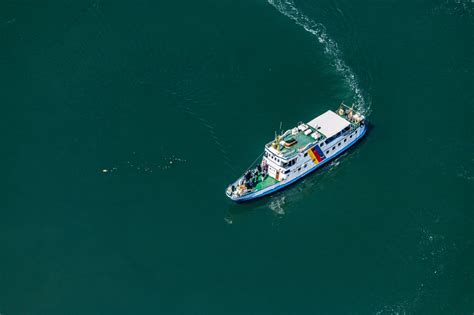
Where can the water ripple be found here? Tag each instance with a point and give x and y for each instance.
(289, 9)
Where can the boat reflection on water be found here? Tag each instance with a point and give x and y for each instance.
(278, 204)
(281, 203)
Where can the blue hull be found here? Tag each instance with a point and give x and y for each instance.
(249, 198)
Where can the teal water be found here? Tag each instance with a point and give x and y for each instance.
(124, 121)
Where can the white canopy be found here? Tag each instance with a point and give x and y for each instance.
(329, 123)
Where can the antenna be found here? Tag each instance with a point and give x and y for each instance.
(274, 143)
(280, 126)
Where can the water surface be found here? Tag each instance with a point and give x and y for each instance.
(124, 122)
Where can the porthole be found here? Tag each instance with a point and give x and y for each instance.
(333, 148)
(327, 152)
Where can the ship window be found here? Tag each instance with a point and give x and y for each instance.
(333, 148)
(339, 144)
(306, 154)
(305, 165)
(287, 171)
(351, 136)
(345, 140)
(299, 169)
(327, 152)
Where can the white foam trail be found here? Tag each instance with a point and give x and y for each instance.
(289, 9)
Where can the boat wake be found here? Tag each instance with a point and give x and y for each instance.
(289, 9)
(140, 165)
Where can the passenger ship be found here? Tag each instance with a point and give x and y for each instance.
(299, 151)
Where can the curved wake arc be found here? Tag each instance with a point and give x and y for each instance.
(289, 9)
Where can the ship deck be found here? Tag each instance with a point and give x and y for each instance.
(268, 181)
(302, 141)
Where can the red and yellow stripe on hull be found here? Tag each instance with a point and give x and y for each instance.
(316, 155)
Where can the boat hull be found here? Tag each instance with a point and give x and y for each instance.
(282, 185)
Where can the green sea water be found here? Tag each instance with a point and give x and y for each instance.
(124, 121)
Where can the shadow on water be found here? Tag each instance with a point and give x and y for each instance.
(280, 201)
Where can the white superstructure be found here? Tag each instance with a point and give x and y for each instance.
(298, 151)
